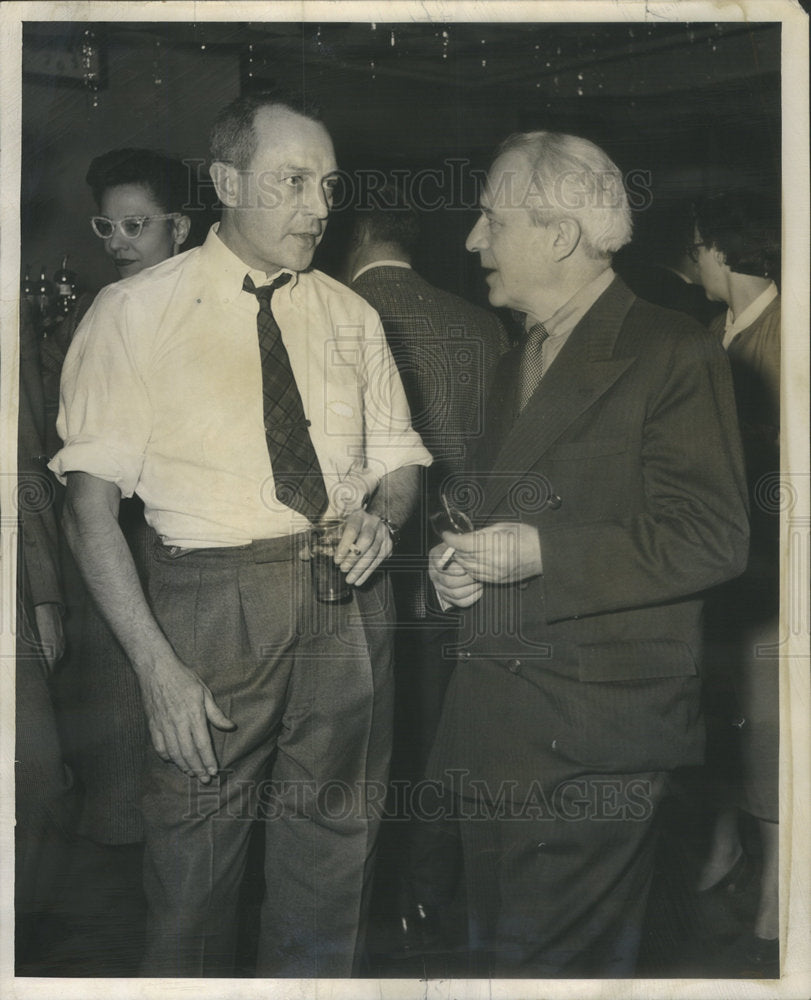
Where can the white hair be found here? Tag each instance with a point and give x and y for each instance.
(573, 178)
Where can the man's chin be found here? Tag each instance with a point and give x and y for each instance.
(495, 295)
(301, 259)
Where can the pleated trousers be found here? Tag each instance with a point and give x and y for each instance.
(309, 687)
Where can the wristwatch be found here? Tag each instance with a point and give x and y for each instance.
(393, 529)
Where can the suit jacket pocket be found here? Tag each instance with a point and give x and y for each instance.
(636, 708)
(616, 661)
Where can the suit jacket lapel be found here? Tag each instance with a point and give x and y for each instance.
(583, 370)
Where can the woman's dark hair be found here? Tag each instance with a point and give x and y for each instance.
(167, 180)
(170, 182)
(745, 227)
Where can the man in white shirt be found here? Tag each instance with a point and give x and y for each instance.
(169, 390)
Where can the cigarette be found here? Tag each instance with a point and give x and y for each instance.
(446, 556)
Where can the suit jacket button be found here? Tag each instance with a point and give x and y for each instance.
(514, 666)
(554, 502)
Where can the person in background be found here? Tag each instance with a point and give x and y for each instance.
(259, 390)
(45, 800)
(127, 185)
(602, 516)
(446, 350)
(737, 248)
(668, 274)
(146, 205)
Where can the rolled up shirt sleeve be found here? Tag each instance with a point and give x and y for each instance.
(104, 413)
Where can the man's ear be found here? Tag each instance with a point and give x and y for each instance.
(226, 183)
(180, 230)
(566, 237)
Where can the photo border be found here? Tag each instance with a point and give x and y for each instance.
(795, 751)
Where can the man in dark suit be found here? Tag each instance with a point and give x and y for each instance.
(446, 350)
(665, 270)
(610, 494)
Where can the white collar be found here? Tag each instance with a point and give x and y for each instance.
(228, 271)
(749, 315)
(379, 263)
(566, 318)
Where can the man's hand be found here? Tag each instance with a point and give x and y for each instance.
(453, 584)
(364, 545)
(500, 553)
(178, 706)
(51, 634)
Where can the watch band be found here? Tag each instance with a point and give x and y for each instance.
(393, 529)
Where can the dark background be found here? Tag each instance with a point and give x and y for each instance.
(680, 108)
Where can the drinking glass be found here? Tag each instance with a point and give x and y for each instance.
(329, 582)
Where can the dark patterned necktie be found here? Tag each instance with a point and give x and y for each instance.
(531, 371)
(299, 482)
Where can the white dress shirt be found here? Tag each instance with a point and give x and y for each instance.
(162, 394)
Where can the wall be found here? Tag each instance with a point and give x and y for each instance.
(62, 133)
(696, 108)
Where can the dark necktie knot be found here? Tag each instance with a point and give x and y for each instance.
(264, 292)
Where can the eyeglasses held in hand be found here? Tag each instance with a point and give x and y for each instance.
(131, 226)
(453, 520)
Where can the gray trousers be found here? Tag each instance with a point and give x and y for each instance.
(309, 687)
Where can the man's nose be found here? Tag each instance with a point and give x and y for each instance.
(477, 238)
(317, 202)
